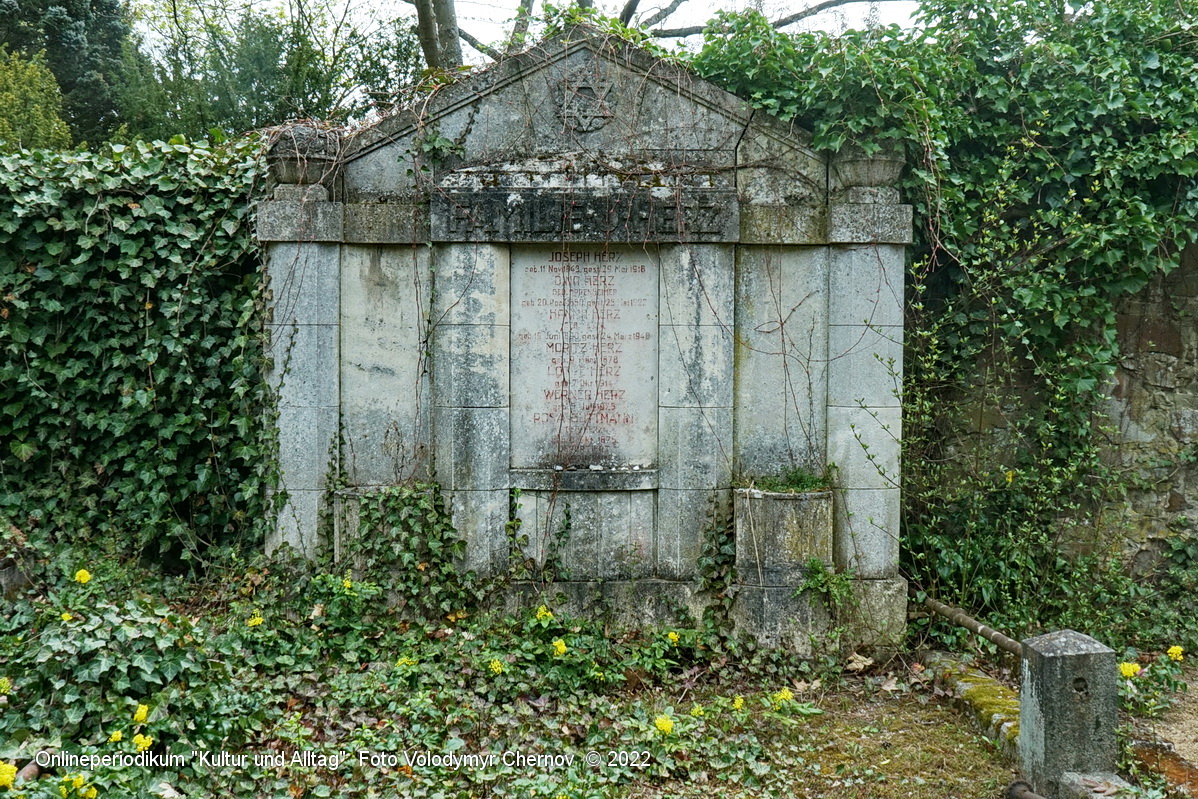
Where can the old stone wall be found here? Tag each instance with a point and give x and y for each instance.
(1154, 404)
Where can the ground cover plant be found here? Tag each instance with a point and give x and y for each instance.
(273, 659)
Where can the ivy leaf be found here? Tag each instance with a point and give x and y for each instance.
(23, 450)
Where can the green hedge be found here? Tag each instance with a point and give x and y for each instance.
(131, 352)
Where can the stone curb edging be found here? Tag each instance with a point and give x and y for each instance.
(994, 706)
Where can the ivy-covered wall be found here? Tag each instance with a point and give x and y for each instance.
(130, 346)
(1052, 166)
(1154, 403)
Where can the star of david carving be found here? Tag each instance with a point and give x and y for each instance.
(582, 101)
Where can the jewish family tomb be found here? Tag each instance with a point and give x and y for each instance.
(588, 293)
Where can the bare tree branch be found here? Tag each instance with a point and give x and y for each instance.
(673, 33)
(489, 52)
(662, 13)
(629, 10)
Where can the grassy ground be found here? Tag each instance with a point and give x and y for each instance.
(300, 686)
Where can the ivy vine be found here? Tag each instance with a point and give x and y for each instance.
(131, 351)
(1051, 162)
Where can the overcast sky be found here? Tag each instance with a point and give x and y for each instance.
(490, 19)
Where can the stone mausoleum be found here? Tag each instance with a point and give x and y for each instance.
(589, 291)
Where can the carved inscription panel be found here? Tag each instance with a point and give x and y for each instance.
(584, 357)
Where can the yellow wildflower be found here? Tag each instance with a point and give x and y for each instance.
(5, 686)
(673, 636)
(405, 661)
(496, 666)
(664, 723)
(347, 583)
(782, 697)
(559, 647)
(1010, 477)
(544, 614)
(142, 713)
(62, 789)
(91, 793)
(79, 781)
(1175, 654)
(697, 710)
(116, 737)
(255, 619)
(142, 742)
(82, 576)
(1129, 670)
(66, 616)
(8, 774)
(738, 703)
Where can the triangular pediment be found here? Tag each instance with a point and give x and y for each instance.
(592, 105)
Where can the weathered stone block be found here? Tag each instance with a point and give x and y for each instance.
(695, 366)
(307, 445)
(698, 284)
(761, 152)
(682, 516)
(863, 444)
(386, 440)
(865, 366)
(865, 285)
(1069, 699)
(386, 223)
(783, 224)
(470, 366)
(481, 518)
(867, 531)
(879, 619)
(297, 523)
(384, 387)
(471, 448)
(781, 359)
(869, 224)
(776, 618)
(695, 448)
(778, 533)
(595, 535)
(287, 220)
(562, 528)
(472, 285)
(304, 365)
(305, 282)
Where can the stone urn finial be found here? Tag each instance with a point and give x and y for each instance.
(853, 167)
(859, 177)
(303, 155)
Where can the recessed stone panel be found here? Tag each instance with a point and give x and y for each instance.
(584, 340)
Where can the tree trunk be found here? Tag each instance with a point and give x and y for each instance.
(426, 31)
(447, 34)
